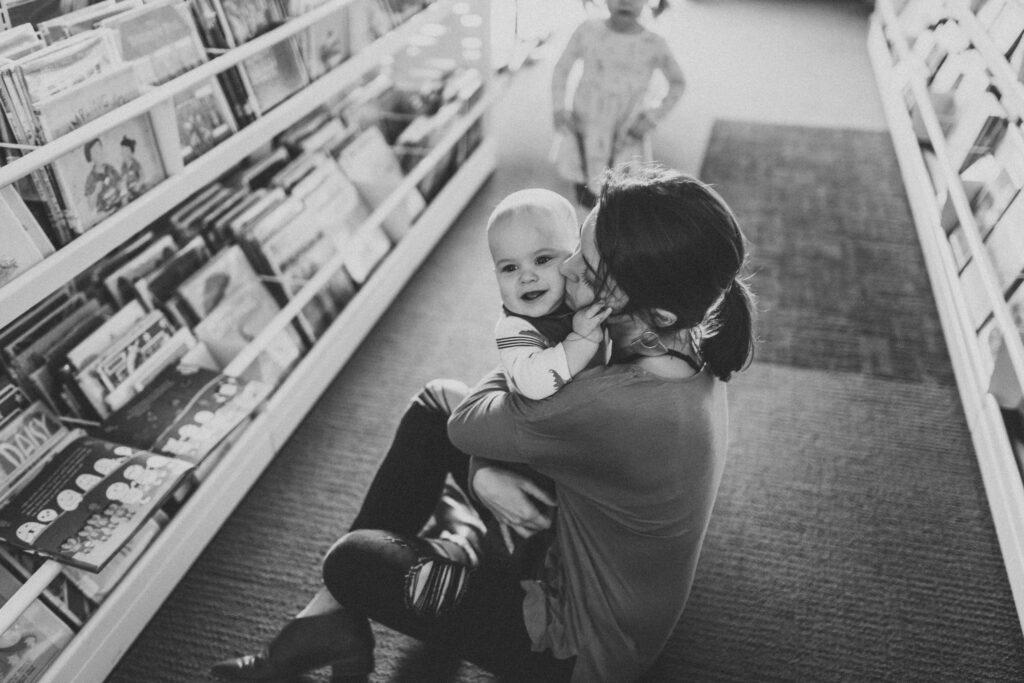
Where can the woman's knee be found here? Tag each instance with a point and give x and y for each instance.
(442, 395)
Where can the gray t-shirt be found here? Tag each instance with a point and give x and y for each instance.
(636, 460)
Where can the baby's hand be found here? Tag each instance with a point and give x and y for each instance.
(586, 322)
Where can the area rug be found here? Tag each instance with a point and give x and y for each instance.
(834, 255)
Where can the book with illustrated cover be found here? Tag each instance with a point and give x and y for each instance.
(120, 281)
(47, 72)
(159, 39)
(19, 41)
(243, 20)
(88, 500)
(225, 273)
(373, 168)
(111, 170)
(156, 288)
(204, 119)
(83, 19)
(97, 585)
(185, 412)
(29, 646)
(274, 75)
(25, 440)
(112, 329)
(236, 321)
(324, 45)
(18, 251)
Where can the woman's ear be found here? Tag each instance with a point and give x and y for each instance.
(663, 318)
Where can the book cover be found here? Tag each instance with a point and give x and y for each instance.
(111, 170)
(47, 72)
(81, 20)
(25, 441)
(325, 44)
(18, 251)
(88, 500)
(156, 287)
(159, 39)
(275, 74)
(373, 168)
(243, 20)
(120, 282)
(97, 585)
(35, 639)
(185, 412)
(204, 119)
(225, 273)
(236, 321)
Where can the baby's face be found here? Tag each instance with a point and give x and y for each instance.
(527, 249)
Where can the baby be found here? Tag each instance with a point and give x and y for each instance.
(542, 344)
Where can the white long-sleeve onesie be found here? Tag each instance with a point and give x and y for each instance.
(536, 368)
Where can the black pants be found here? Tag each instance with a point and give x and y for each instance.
(382, 569)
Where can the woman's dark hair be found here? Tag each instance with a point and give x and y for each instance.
(669, 241)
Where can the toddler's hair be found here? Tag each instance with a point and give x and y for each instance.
(536, 199)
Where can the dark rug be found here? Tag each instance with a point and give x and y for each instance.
(838, 269)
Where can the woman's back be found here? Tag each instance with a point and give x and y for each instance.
(636, 460)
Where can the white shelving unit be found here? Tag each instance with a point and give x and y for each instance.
(109, 632)
(897, 69)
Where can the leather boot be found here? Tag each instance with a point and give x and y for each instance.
(339, 638)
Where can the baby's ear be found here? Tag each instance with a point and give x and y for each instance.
(663, 318)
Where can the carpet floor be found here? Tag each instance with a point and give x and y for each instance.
(851, 539)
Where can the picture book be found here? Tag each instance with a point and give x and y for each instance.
(223, 275)
(157, 287)
(120, 282)
(274, 75)
(83, 19)
(97, 585)
(88, 500)
(14, 203)
(325, 44)
(158, 39)
(25, 441)
(243, 20)
(372, 167)
(18, 251)
(185, 412)
(111, 170)
(204, 119)
(47, 72)
(236, 321)
(29, 646)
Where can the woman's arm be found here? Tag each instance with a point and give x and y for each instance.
(486, 422)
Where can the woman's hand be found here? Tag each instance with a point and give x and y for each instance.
(514, 499)
(643, 125)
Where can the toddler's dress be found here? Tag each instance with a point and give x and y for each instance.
(612, 92)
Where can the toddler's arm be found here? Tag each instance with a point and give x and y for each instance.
(587, 334)
(673, 73)
(561, 111)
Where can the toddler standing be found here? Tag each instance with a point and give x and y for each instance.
(610, 117)
(542, 344)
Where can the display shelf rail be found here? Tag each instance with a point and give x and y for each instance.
(965, 215)
(104, 639)
(46, 277)
(1011, 89)
(997, 463)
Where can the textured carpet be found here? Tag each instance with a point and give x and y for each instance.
(838, 268)
(851, 540)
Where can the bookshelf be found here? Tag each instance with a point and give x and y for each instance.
(897, 69)
(109, 632)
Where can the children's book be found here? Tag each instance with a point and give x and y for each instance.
(88, 500)
(111, 170)
(325, 44)
(120, 281)
(81, 20)
(274, 75)
(373, 168)
(159, 39)
(18, 251)
(225, 273)
(236, 321)
(25, 440)
(204, 119)
(29, 646)
(186, 412)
